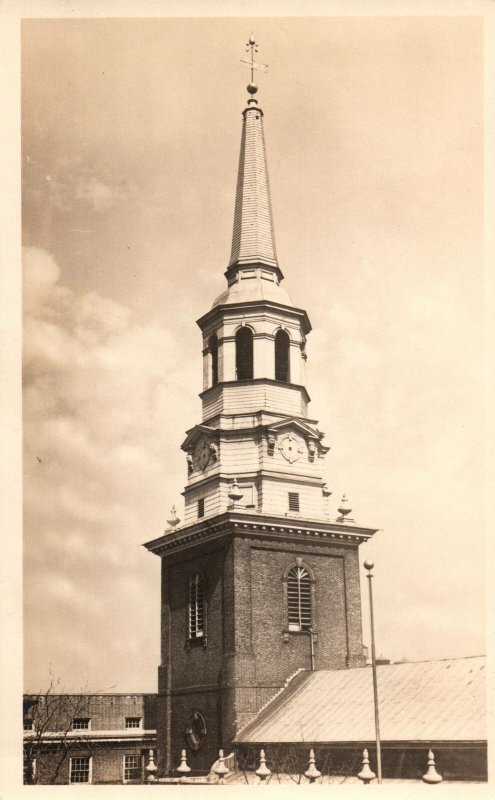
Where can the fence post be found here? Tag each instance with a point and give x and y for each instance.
(151, 768)
(183, 767)
(431, 775)
(220, 769)
(366, 775)
(312, 773)
(263, 772)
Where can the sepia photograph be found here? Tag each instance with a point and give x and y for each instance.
(253, 399)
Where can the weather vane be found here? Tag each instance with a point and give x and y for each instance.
(252, 48)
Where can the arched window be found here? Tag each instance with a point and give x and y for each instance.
(196, 607)
(299, 599)
(282, 345)
(244, 354)
(213, 345)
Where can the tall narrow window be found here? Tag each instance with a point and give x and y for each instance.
(299, 599)
(213, 345)
(196, 608)
(282, 345)
(201, 507)
(244, 354)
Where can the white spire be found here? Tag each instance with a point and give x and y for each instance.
(253, 240)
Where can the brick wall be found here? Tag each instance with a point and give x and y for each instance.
(107, 762)
(247, 658)
(106, 711)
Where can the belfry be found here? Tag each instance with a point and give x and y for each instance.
(258, 582)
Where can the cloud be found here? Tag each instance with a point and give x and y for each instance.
(99, 388)
(40, 274)
(100, 196)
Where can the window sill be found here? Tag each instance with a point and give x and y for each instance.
(197, 641)
(286, 634)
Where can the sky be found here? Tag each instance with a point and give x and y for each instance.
(130, 141)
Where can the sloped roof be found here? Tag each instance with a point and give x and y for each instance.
(418, 701)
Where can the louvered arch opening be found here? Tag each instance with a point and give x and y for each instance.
(213, 345)
(244, 354)
(299, 599)
(196, 607)
(282, 359)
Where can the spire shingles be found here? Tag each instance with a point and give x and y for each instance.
(253, 240)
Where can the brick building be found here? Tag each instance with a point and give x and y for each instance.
(261, 636)
(88, 738)
(258, 582)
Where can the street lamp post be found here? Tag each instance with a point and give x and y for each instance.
(369, 566)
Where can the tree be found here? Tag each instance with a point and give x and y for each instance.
(54, 716)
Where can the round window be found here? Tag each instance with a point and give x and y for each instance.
(196, 731)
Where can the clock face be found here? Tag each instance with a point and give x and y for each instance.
(291, 448)
(203, 456)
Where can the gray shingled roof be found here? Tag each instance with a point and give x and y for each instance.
(423, 701)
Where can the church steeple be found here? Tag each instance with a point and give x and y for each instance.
(253, 239)
(257, 582)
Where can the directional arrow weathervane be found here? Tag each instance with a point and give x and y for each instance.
(253, 47)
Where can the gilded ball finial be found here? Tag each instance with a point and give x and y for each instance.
(252, 88)
(368, 565)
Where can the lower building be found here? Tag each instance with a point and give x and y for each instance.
(88, 738)
(428, 705)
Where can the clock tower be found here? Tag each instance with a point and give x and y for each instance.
(258, 582)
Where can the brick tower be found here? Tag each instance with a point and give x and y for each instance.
(258, 582)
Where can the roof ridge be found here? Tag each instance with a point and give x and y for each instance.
(431, 660)
(404, 663)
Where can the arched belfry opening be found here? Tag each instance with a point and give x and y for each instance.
(213, 347)
(282, 362)
(244, 354)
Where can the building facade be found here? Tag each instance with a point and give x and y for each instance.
(88, 738)
(258, 582)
